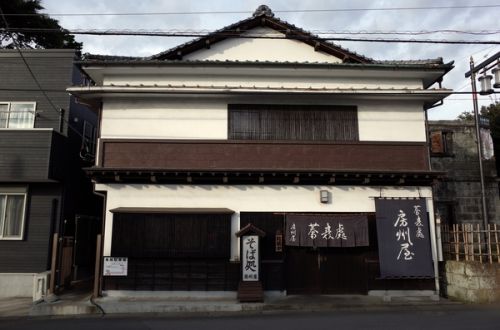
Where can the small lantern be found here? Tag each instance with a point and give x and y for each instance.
(496, 73)
(485, 81)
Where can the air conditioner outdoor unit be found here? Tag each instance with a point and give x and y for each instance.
(40, 285)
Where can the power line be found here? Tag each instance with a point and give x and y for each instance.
(190, 32)
(250, 36)
(250, 12)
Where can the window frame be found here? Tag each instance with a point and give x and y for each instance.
(265, 109)
(446, 141)
(10, 103)
(23, 217)
(89, 140)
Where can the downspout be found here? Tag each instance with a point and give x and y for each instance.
(53, 226)
(436, 225)
(98, 272)
(61, 120)
(98, 288)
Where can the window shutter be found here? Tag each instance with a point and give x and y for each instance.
(437, 143)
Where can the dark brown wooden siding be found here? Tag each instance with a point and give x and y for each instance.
(141, 235)
(165, 274)
(293, 122)
(274, 156)
(173, 252)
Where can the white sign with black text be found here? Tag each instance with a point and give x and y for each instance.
(115, 266)
(250, 258)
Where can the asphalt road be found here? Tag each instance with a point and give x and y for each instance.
(456, 318)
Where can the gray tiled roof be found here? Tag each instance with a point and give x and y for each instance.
(124, 60)
(114, 58)
(438, 60)
(263, 12)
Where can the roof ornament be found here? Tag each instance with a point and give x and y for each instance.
(263, 10)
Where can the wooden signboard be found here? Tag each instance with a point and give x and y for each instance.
(250, 286)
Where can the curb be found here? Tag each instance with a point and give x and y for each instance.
(163, 308)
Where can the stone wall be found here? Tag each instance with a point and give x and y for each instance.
(461, 189)
(472, 282)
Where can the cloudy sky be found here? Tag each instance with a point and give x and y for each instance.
(470, 19)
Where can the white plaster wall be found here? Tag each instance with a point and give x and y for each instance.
(391, 121)
(205, 118)
(263, 78)
(145, 118)
(280, 50)
(16, 285)
(250, 198)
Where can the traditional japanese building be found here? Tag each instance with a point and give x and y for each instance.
(262, 123)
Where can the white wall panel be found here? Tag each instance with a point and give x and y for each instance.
(280, 50)
(145, 118)
(208, 119)
(391, 122)
(195, 77)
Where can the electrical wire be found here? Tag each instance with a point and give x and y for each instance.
(250, 12)
(189, 32)
(257, 36)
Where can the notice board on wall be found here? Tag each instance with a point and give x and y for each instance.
(115, 266)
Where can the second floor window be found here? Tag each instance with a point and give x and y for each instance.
(293, 122)
(17, 114)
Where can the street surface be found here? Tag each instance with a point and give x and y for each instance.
(429, 317)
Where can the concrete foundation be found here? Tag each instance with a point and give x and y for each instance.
(16, 285)
(408, 295)
(184, 295)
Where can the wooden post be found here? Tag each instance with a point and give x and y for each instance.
(53, 264)
(479, 242)
(97, 271)
(496, 243)
(489, 244)
(471, 235)
(456, 239)
(466, 242)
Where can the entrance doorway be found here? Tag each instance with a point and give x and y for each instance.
(326, 270)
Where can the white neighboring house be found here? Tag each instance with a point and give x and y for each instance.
(198, 141)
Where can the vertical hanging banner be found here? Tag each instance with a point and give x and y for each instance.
(404, 243)
(250, 258)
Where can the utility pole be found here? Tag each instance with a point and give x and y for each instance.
(478, 142)
(488, 64)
